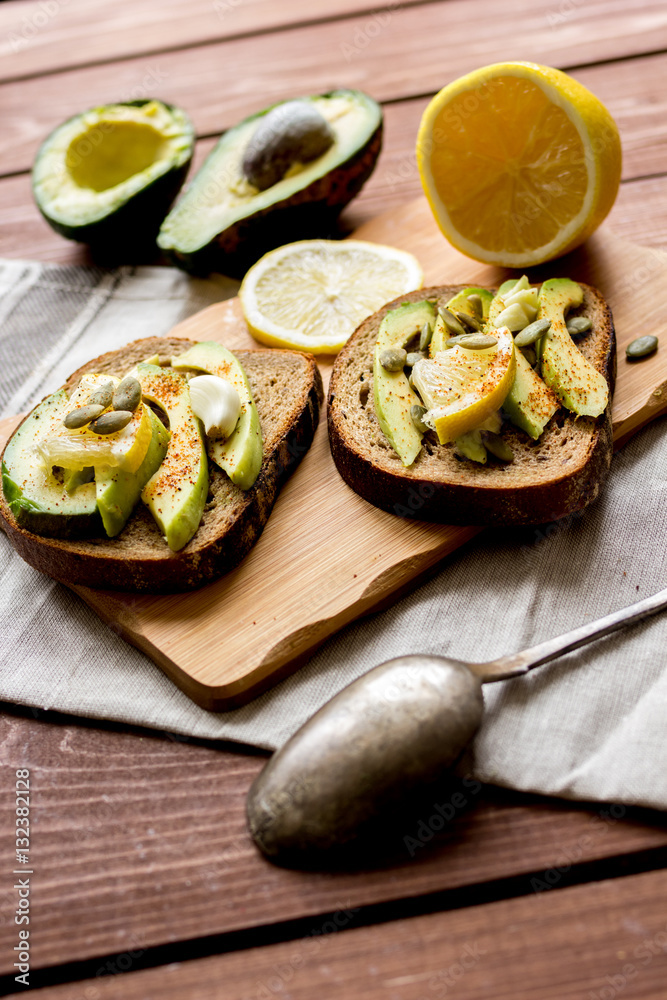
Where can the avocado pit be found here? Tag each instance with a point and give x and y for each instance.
(292, 133)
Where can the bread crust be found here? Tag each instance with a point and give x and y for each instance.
(287, 388)
(549, 479)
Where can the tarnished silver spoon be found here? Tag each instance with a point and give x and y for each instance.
(398, 726)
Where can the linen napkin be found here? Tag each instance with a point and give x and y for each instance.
(589, 726)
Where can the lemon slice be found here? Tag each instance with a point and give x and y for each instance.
(312, 295)
(520, 163)
(463, 388)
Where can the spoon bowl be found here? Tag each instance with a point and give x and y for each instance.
(399, 725)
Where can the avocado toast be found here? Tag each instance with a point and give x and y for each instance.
(548, 477)
(287, 391)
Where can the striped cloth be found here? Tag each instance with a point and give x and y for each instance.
(590, 726)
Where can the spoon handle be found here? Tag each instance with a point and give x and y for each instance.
(520, 663)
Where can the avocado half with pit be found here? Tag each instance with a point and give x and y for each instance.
(107, 177)
(282, 174)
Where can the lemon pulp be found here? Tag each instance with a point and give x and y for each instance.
(520, 163)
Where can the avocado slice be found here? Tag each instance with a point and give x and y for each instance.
(118, 491)
(470, 446)
(176, 494)
(240, 456)
(579, 385)
(38, 499)
(223, 222)
(112, 171)
(530, 403)
(391, 390)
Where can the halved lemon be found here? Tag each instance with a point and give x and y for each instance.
(463, 388)
(312, 295)
(520, 163)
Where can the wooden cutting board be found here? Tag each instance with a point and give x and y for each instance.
(326, 556)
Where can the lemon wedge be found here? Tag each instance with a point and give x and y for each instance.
(520, 163)
(81, 448)
(312, 295)
(463, 388)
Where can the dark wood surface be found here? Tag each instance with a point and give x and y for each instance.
(142, 862)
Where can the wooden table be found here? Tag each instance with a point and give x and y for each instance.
(142, 862)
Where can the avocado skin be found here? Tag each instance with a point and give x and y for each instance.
(132, 227)
(306, 214)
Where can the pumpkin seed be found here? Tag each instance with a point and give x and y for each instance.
(111, 422)
(102, 396)
(530, 355)
(451, 322)
(393, 359)
(532, 332)
(413, 357)
(425, 336)
(498, 447)
(471, 322)
(472, 341)
(128, 395)
(642, 346)
(577, 325)
(417, 413)
(475, 303)
(82, 415)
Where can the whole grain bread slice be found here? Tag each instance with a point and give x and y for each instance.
(287, 389)
(548, 479)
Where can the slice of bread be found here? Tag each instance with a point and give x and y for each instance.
(287, 389)
(549, 478)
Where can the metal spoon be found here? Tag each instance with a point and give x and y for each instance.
(398, 726)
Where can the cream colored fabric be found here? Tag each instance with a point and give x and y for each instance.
(589, 726)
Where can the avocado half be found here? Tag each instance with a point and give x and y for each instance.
(224, 223)
(107, 177)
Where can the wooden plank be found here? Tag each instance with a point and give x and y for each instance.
(45, 35)
(415, 52)
(600, 940)
(139, 840)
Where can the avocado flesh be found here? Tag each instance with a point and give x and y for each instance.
(118, 491)
(391, 390)
(470, 446)
(37, 499)
(240, 456)
(530, 403)
(113, 171)
(73, 478)
(176, 494)
(224, 223)
(580, 387)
